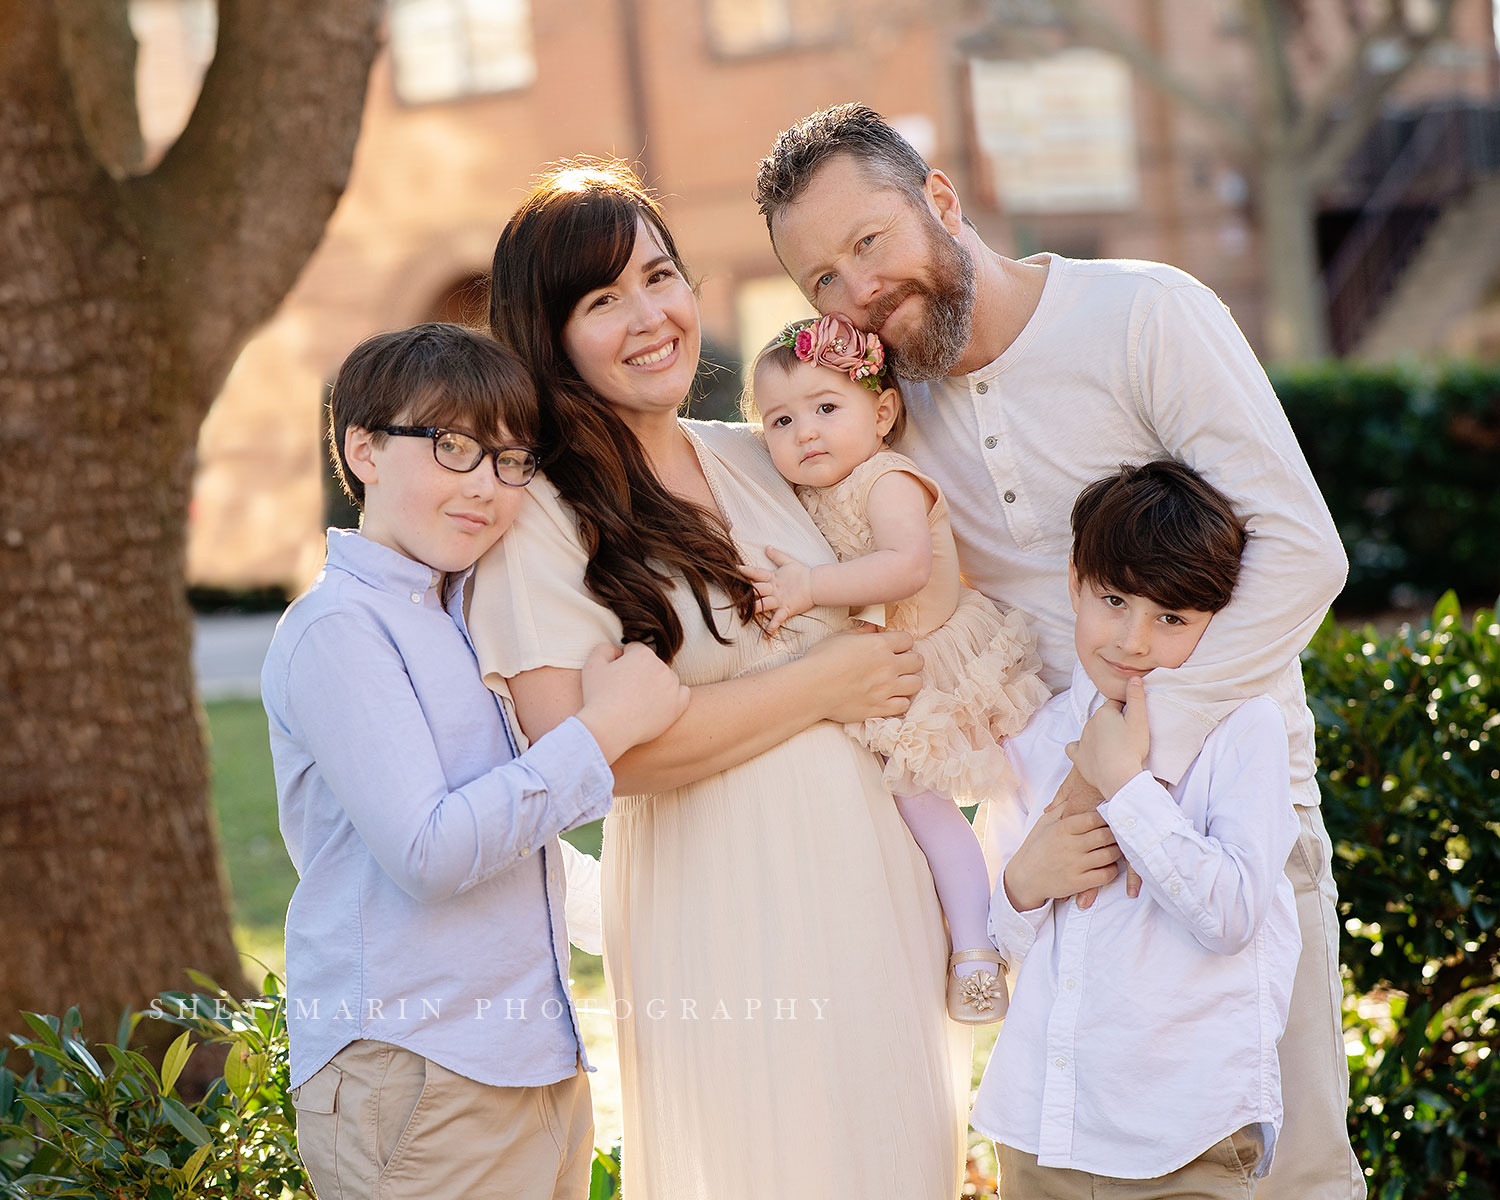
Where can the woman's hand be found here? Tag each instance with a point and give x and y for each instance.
(862, 675)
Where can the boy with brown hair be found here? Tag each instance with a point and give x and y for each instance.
(1140, 1047)
(435, 1049)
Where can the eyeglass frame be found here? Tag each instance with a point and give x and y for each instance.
(433, 432)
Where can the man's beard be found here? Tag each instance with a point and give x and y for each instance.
(934, 348)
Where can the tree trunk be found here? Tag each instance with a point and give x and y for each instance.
(113, 342)
(1296, 312)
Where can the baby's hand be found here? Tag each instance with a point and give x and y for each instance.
(785, 592)
(1115, 742)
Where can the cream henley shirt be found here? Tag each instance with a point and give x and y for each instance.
(1125, 362)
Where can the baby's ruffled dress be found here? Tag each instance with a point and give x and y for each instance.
(980, 681)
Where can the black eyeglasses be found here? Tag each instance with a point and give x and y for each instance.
(514, 465)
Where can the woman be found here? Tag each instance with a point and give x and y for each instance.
(773, 945)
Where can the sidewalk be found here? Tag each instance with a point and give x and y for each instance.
(228, 650)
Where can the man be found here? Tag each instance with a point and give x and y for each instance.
(1025, 380)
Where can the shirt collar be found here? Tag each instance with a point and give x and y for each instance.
(384, 568)
(1084, 696)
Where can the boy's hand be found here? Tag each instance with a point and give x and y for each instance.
(629, 696)
(1115, 742)
(785, 592)
(1063, 854)
(1078, 795)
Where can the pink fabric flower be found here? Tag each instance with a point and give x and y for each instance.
(836, 343)
(833, 341)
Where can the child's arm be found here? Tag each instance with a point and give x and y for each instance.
(1043, 857)
(371, 742)
(898, 567)
(1219, 884)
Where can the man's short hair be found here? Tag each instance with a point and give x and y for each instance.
(853, 129)
(433, 374)
(1159, 530)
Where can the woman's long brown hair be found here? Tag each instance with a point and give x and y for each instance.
(574, 233)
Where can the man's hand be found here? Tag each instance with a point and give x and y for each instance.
(1078, 795)
(785, 592)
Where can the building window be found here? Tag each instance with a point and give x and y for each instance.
(448, 49)
(762, 307)
(755, 26)
(1057, 134)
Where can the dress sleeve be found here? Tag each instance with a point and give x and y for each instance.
(885, 463)
(529, 606)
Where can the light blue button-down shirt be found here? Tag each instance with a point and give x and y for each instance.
(429, 911)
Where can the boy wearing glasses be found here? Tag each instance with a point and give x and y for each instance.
(435, 1050)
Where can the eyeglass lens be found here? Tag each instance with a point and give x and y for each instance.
(459, 452)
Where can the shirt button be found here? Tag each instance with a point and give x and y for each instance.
(1130, 824)
(416, 597)
(1070, 984)
(1010, 497)
(525, 850)
(981, 388)
(991, 442)
(1175, 888)
(551, 876)
(1059, 1062)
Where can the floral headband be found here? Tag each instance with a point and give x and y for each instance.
(832, 341)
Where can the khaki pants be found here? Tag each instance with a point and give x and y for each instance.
(1314, 1160)
(382, 1123)
(1222, 1172)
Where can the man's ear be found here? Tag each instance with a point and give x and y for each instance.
(942, 199)
(887, 406)
(359, 455)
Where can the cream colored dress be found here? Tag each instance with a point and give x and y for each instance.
(773, 945)
(980, 678)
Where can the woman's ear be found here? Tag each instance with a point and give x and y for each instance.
(1075, 586)
(359, 446)
(887, 406)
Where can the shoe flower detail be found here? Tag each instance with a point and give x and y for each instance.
(833, 341)
(981, 990)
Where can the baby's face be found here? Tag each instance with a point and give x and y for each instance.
(819, 423)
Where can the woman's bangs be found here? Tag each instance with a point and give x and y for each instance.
(598, 232)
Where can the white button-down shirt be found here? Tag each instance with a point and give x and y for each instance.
(1143, 1031)
(1126, 362)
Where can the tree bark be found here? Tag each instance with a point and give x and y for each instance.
(1296, 310)
(122, 306)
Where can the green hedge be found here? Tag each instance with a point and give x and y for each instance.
(1409, 753)
(1408, 459)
